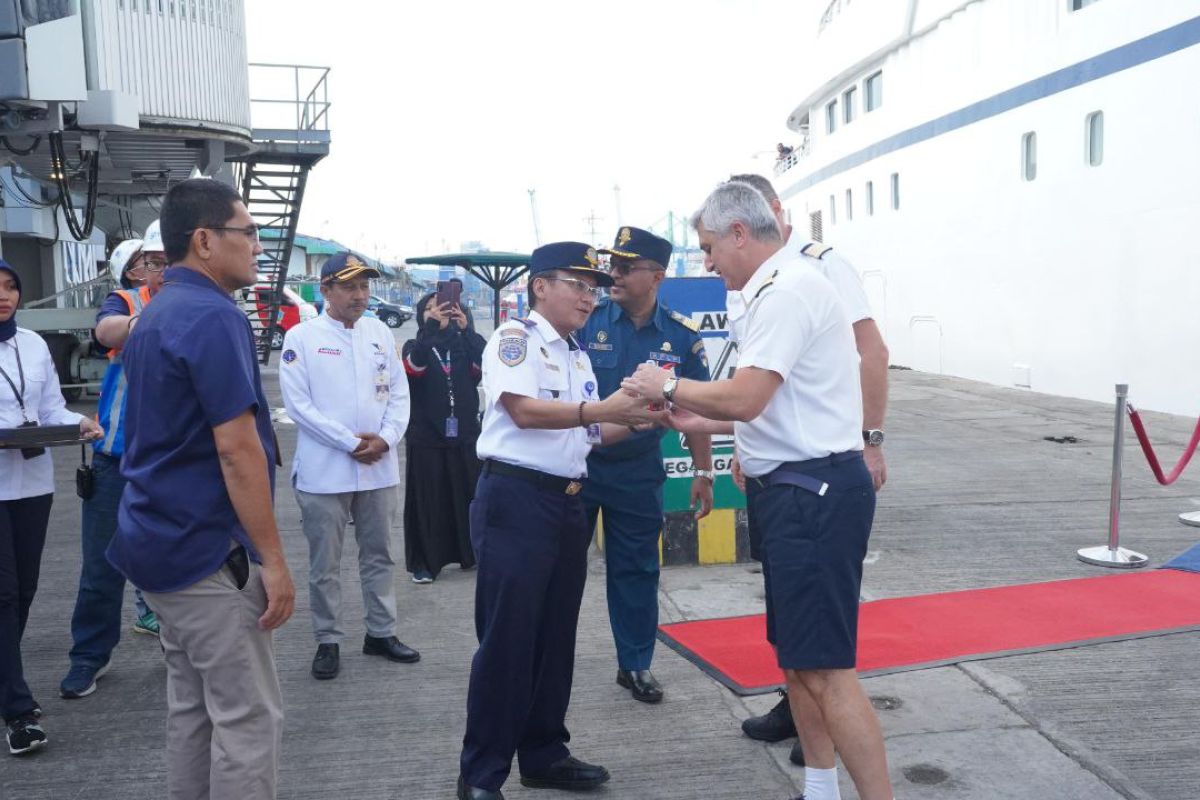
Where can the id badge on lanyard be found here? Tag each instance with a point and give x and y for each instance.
(448, 371)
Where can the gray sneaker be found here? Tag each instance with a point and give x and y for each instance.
(80, 681)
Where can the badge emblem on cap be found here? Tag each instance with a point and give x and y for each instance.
(666, 347)
(592, 258)
(624, 237)
(602, 336)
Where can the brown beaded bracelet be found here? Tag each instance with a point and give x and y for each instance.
(582, 403)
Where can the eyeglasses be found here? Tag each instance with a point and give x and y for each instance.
(154, 265)
(626, 267)
(250, 231)
(580, 287)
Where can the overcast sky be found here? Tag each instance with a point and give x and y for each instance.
(445, 114)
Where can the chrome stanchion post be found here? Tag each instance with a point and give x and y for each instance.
(1113, 555)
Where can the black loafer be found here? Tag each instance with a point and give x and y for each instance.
(641, 684)
(326, 662)
(467, 792)
(797, 754)
(390, 648)
(570, 774)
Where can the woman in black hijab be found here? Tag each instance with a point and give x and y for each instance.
(443, 366)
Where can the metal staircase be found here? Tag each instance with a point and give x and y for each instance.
(273, 180)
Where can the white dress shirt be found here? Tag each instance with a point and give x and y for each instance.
(529, 358)
(339, 382)
(21, 477)
(796, 327)
(836, 269)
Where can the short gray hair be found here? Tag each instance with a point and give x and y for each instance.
(758, 182)
(732, 202)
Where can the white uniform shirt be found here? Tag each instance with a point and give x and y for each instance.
(838, 270)
(796, 327)
(337, 383)
(21, 478)
(529, 358)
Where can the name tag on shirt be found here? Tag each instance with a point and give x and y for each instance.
(383, 386)
(666, 358)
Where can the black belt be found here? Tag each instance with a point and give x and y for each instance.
(542, 480)
(794, 473)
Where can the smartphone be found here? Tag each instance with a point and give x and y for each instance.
(448, 292)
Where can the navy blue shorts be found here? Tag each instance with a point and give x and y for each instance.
(812, 554)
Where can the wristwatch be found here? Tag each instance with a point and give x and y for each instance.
(703, 473)
(873, 437)
(668, 390)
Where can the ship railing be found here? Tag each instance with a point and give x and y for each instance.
(290, 102)
(832, 10)
(793, 158)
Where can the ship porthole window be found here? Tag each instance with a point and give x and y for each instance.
(896, 191)
(870, 198)
(1095, 138)
(874, 91)
(1029, 156)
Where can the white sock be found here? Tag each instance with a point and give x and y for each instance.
(821, 784)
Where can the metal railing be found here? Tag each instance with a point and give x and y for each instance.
(832, 10)
(793, 158)
(298, 98)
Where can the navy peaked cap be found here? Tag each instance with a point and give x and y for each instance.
(569, 256)
(637, 244)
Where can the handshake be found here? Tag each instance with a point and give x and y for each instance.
(639, 403)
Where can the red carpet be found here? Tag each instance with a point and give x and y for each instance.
(932, 630)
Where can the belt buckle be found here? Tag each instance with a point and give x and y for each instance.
(574, 487)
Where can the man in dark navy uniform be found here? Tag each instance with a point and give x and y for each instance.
(542, 414)
(626, 480)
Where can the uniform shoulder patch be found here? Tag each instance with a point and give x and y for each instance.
(815, 249)
(685, 321)
(513, 348)
(288, 356)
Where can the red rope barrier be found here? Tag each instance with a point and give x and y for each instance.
(1148, 449)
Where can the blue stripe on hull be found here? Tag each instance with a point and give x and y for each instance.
(1163, 43)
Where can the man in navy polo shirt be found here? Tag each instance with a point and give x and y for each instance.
(196, 530)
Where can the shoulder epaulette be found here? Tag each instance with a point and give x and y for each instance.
(769, 281)
(526, 321)
(685, 321)
(815, 249)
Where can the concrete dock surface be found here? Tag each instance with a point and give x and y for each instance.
(976, 497)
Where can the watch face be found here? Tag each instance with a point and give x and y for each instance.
(874, 437)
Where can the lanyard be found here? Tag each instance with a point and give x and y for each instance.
(19, 394)
(447, 370)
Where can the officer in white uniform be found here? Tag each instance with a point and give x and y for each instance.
(529, 529)
(345, 388)
(796, 405)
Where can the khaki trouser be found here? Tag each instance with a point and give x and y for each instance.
(224, 709)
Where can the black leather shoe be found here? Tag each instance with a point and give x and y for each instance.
(326, 662)
(773, 726)
(390, 648)
(797, 754)
(570, 774)
(641, 684)
(466, 792)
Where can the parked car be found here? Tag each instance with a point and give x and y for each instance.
(393, 315)
(293, 310)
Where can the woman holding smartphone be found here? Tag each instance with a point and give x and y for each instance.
(441, 470)
(29, 396)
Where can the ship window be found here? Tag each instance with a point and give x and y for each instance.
(848, 104)
(873, 87)
(831, 117)
(832, 210)
(1095, 138)
(849, 205)
(1029, 156)
(896, 190)
(870, 198)
(1078, 4)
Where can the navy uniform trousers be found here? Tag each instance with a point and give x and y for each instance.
(630, 492)
(531, 547)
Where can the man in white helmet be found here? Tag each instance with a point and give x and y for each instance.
(137, 266)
